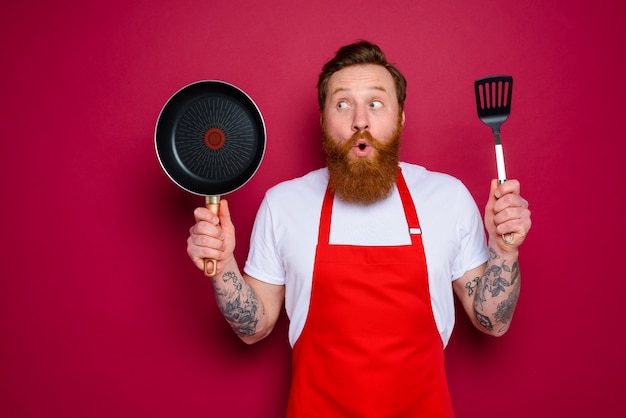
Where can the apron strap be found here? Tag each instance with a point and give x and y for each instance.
(407, 204)
(327, 210)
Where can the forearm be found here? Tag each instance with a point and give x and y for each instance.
(497, 292)
(239, 304)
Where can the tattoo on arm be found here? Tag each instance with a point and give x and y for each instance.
(471, 286)
(506, 308)
(497, 280)
(239, 306)
(483, 320)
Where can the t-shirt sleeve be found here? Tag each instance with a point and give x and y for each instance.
(473, 249)
(263, 261)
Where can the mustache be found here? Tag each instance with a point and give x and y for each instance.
(364, 135)
(358, 136)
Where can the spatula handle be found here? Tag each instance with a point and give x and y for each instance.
(508, 238)
(500, 160)
(210, 265)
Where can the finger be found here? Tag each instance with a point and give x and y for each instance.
(224, 213)
(492, 198)
(212, 240)
(201, 228)
(200, 247)
(514, 220)
(195, 252)
(204, 214)
(510, 201)
(511, 186)
(506, 202)
(493, 187)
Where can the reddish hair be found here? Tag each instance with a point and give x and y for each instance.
(359, 53)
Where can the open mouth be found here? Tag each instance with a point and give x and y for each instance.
(362, 148)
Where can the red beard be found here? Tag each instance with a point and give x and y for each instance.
(362, 180)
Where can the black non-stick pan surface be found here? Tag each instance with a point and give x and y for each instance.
(210, 138)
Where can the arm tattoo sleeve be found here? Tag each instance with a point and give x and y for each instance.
(238, 304)
(498, 279)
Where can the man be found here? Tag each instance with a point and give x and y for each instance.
(366, 255)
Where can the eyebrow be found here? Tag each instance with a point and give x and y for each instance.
(340, 89)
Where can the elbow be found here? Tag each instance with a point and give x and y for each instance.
(496, 330)
(497, 333)
(493, 328)
(252, 338)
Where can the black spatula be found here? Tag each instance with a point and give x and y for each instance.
(493, 101)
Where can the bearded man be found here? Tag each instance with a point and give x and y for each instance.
(367, 255)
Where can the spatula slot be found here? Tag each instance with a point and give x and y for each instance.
(493, 95)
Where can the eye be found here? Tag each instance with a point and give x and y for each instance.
(376, 104)
(342, 105)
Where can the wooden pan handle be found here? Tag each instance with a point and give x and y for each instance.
(210, 265)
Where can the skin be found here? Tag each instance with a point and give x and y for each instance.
(363, 97)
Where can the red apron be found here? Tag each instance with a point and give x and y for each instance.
(370, 346)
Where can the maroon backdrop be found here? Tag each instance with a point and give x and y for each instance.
(103, 315)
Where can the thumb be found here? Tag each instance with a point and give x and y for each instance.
(224, 214)
(493, 194)
(489, 207)
(227, 225)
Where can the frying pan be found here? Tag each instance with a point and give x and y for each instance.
(210, 140)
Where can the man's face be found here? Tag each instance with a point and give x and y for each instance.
(361, 98)
(362, 124)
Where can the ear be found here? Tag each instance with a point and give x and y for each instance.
(403, 118)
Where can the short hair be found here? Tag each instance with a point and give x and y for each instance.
(359, 53)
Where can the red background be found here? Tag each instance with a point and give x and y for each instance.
(103, 315)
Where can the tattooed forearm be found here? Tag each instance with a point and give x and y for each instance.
(497, 292)
(496, 279)
(507, 307)
(238, 303)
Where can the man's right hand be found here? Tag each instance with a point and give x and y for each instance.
(212, 237)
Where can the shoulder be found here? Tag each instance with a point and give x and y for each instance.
(311, 184)
(418, 177)
(439, 191)
(295, 198)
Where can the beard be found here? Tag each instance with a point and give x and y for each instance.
(362, 180)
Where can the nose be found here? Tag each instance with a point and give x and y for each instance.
(360, 121)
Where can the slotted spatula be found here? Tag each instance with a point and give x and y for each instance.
(493, 101)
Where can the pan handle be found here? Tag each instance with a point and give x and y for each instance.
(210, 265)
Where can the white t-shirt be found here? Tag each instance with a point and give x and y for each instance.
(284, 237)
